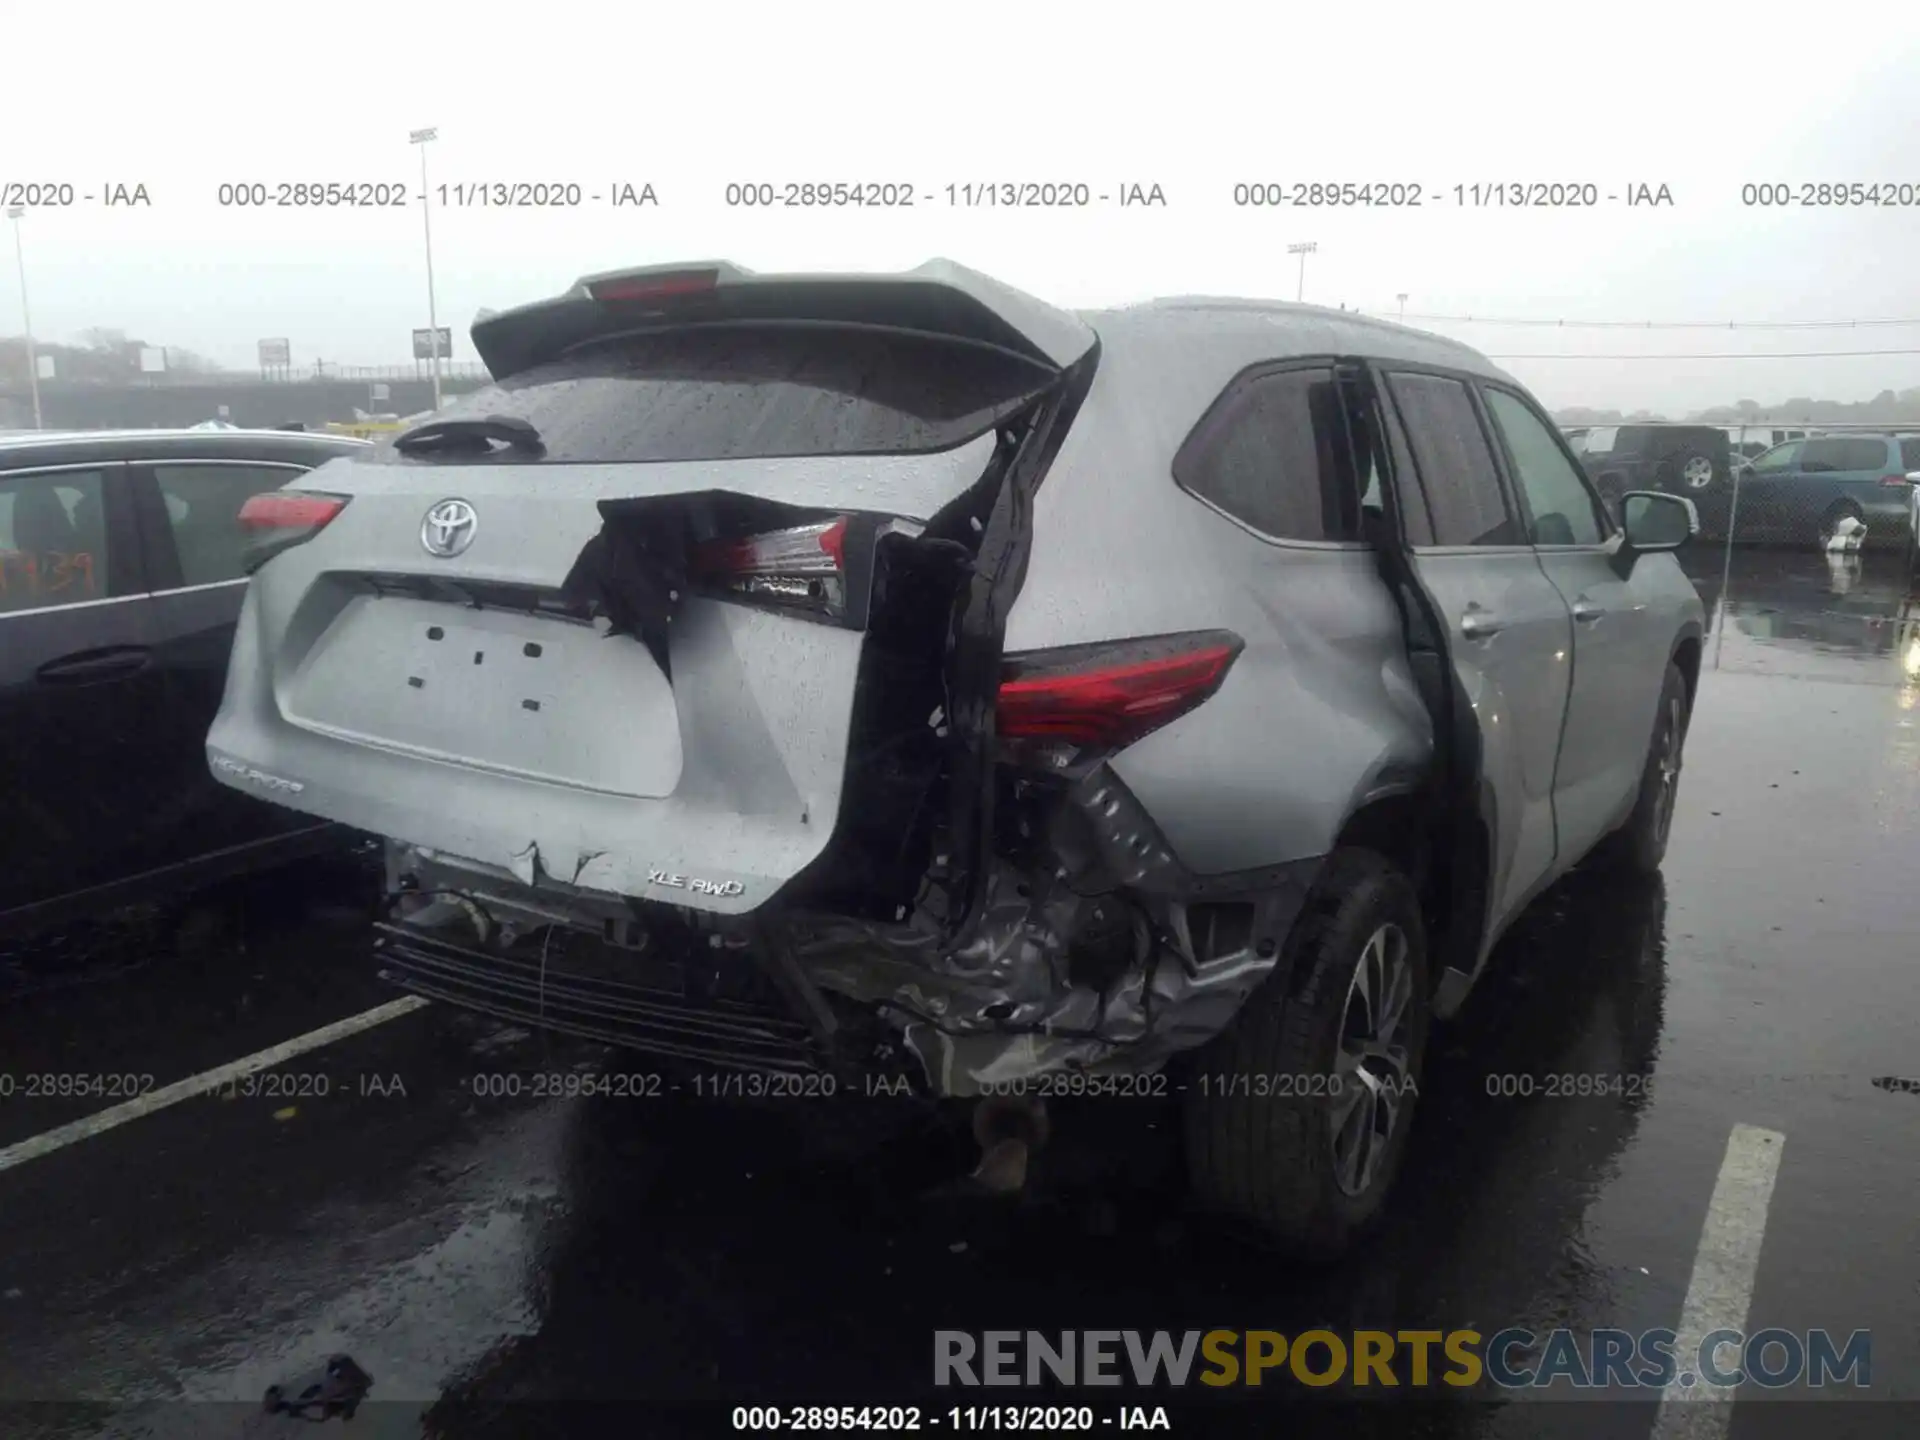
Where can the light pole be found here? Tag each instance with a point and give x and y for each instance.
(1303, 249)
(1403, 306)
(420, 138)
(14, 212)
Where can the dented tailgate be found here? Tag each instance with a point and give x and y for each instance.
(428, 720)
(423, 665)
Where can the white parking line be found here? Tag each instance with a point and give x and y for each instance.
(1722, 1285)
(206, 1080)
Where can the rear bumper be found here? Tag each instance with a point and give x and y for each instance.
(798, 993)
(652, 1018)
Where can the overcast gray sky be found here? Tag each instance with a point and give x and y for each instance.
(1194, 97)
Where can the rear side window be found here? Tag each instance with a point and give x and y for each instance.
(1455, 463)
(203, 512)
(53, 540)
(740, 393)
(1825, 456)
(1273, 454)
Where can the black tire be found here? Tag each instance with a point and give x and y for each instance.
(1639, 846)
(1261, 1102)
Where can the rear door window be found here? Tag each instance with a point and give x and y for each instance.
(1456, 466)
(1865, 452)
(1272, 453)
(1832, 455)
(203, 514)
(53, 539)
(1415, 521)
(729, 392)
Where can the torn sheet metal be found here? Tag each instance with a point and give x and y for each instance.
(1006, 1008)
(1083, 957)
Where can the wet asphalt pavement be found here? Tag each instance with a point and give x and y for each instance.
(505, 1262)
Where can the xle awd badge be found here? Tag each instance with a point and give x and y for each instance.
(448, 528)
(720, 888)
(258, 777)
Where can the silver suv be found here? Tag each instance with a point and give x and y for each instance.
(829, 674)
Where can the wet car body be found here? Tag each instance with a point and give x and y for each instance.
(119, 590)
(999, 717)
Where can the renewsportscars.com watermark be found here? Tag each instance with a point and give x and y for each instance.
(1512, 1359)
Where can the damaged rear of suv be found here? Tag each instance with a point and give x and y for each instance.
(829, 674)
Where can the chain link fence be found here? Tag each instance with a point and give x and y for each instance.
(1844, 488)
(1808, 555)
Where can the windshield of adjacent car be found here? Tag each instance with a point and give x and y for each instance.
(727, 392)
(1780, 457)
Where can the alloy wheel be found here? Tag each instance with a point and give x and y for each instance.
(1372, 1078)
(1668, 776)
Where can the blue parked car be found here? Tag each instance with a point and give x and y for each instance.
(1805, 489)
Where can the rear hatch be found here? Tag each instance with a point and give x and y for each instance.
(610, 620)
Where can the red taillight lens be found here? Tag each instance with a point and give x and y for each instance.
(289, 509)
(277, 520)
(1106, 697)
(657, 286)
(1900, 480)
(803, 566)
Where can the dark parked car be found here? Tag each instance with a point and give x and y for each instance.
(1802, 490)
(123, 563)
(1691, 460)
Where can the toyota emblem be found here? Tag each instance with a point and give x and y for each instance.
(448, 528)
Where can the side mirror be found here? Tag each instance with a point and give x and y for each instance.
(1655, 521)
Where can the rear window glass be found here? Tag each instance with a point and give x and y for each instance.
(1910, 455)
(734, 393)
(1828, 455)
(1668, 441)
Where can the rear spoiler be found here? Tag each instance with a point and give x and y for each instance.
(938, 298)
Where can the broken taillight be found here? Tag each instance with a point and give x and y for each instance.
(277, 520)
(1056, 704)
(804, 567)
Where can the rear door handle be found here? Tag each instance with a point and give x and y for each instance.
(95, 667)
(1586, 611)
(1478, 624)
